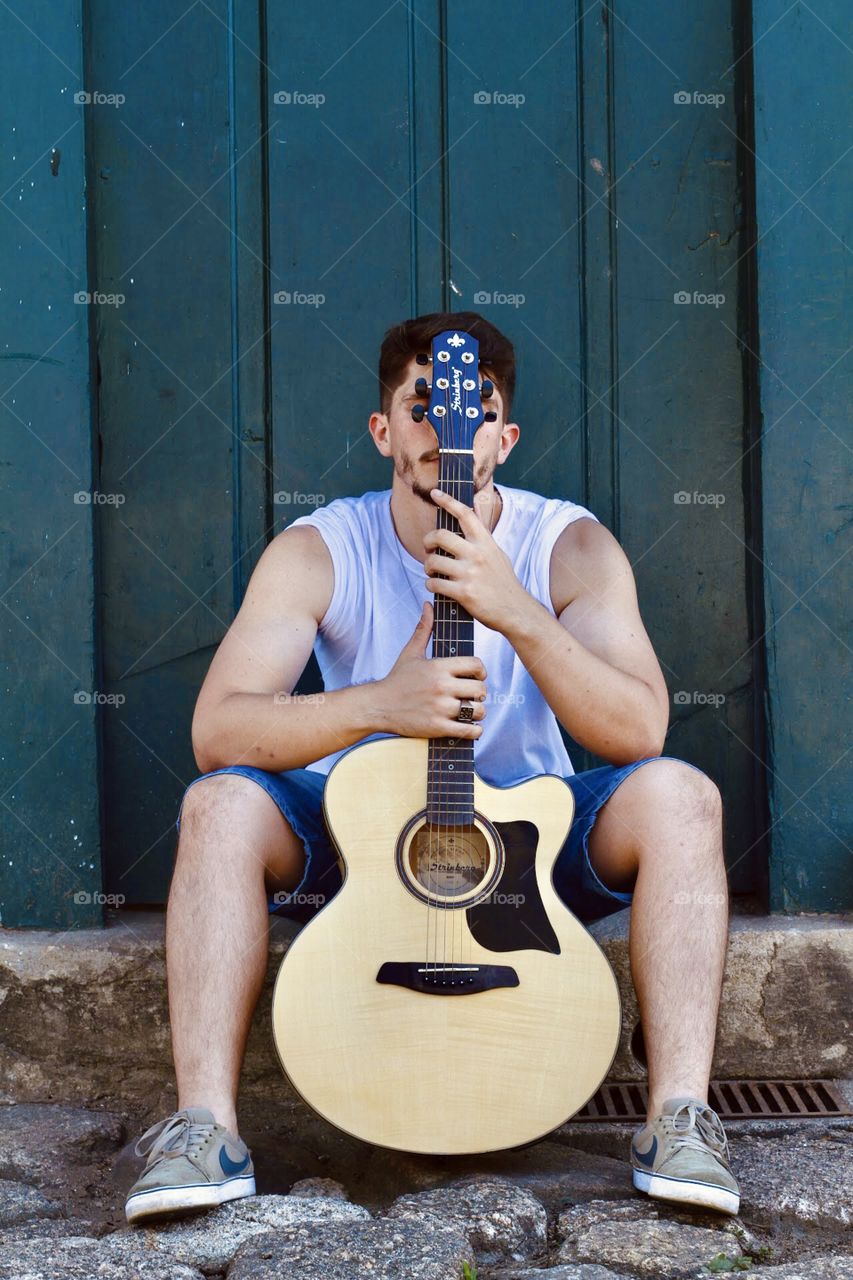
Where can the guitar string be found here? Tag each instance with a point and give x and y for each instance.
(447, 801)
(429, 870)
(446, 765)
(455, 484)
(454, 786)
(443, 766)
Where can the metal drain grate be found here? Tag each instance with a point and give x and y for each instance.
(731, 1099)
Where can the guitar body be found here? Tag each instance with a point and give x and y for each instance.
(495, 1017)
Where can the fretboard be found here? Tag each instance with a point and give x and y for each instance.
(450, 784)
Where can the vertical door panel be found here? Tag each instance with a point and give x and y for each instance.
(352, 230)
(678, 389)
(177, 167)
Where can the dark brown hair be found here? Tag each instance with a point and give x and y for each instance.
(411, 337)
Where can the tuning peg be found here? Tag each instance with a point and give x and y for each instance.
(490, 417)
(421, 358)
(422, 387)
(487, 390)
(418, 412)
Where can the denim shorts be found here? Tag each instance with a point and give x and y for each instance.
(299, 795)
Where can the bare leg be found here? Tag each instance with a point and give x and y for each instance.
(233, 840)
(664, 825)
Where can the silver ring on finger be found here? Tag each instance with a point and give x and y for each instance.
(466, 709)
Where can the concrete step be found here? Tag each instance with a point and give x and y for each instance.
(85, 1020)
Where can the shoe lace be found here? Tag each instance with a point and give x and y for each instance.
(177, 1135)
(694, 1124)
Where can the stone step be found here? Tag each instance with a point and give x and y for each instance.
(85, 1020)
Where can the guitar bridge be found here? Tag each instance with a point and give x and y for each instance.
(446, 979)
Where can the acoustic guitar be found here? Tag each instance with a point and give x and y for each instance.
(445, 1000)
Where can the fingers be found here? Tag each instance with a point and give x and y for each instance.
(473, 690)
(460, 729)
(470, 666)
(451, 706)
(463, 513)
(463, 728)
(446, 539)
(420, 636)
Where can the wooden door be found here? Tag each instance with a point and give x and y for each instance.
(274, 196)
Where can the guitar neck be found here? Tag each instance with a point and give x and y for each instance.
(450, 781)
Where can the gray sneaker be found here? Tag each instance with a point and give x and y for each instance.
(193, 1163)
(683, 1155)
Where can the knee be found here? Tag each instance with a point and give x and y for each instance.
(214, 796)
(681, 791)
(231, 818)
(229, 803)
(682, 820)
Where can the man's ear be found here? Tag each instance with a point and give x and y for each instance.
(378, 426)
(509, 439)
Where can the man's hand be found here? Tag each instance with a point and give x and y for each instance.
(420, 696)
(479, 576)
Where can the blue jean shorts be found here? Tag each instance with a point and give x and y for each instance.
(299, 795)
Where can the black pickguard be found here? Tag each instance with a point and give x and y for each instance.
(501, 925)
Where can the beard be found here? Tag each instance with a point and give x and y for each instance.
(405, 468)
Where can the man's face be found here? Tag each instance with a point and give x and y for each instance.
(414, 445)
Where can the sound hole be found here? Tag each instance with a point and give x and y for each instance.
(448, 862)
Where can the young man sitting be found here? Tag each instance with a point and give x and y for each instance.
(559, 638)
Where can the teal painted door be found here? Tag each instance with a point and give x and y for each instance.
(50, 872)
(804, 197)
(277, 190)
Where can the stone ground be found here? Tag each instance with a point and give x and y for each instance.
(333, 1208)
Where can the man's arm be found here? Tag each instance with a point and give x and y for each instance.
(594, 663)
(246, 713)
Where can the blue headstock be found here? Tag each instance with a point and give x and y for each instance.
(455, 394)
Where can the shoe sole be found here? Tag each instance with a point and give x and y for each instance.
(199, 1195)
(703, 1194)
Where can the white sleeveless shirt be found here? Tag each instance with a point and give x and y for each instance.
(378, 595)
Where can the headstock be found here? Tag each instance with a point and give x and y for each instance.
(455, 394)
